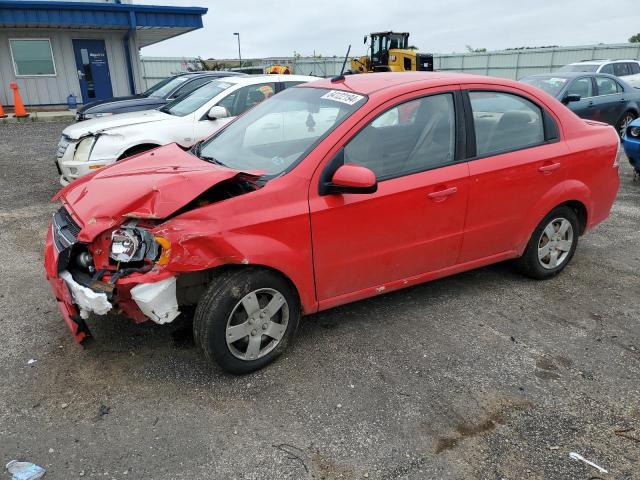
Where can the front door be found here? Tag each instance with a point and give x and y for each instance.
(93, 70)
(414, 223)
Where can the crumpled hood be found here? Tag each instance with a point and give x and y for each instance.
(81, 129)
(151, 185)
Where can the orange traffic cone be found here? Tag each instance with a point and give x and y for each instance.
(18, 106)
(2, 114)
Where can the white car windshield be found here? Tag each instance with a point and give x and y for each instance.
(274, 135)
(189, 103)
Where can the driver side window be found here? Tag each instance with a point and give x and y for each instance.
(411, 137)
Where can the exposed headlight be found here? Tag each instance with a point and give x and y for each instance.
(83, 150)
(634, 132)
(133, 244)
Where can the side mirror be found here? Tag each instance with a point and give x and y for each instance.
(571, 97)
(351, 178)
(217, 112)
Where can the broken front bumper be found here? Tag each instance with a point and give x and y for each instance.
(147, 296)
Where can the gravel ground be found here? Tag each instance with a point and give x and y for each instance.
(484, 375)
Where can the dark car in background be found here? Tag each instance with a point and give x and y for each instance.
(157, 96)
(592, 96)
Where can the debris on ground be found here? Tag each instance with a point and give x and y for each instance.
(577, 456)
(25, 470)
(102, 411)
(31, 361)
(624, 433)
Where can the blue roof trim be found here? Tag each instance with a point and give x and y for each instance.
(40, 13)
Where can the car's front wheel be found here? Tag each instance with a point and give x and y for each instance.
(552, 244)
(246, 319)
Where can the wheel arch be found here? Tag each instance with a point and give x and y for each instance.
(573, 193)
(201, 279)
(137, 148)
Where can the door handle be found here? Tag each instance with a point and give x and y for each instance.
(547, 169)
(440, 195)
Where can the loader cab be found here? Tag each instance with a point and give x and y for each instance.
(382, 42)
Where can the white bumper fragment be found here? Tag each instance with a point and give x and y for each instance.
(87, 300)
(158, 300)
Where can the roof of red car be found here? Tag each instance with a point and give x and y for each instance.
(372, 82)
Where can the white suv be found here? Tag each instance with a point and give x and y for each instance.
(619, 68)
(93, 144)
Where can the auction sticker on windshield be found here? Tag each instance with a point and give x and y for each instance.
(342, 97)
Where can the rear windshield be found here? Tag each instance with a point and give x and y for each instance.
(551, 85)
(581, 67)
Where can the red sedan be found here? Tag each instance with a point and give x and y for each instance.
(327, 193)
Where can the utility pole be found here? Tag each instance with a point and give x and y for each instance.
(237, 34)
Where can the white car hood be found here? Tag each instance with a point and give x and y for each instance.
(81, 129)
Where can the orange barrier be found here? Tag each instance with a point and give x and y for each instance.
(2, 114)
(18, 106)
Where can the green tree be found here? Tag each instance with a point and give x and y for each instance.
(470, 49)
(635, 38)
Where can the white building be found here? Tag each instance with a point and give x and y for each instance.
(52, 49)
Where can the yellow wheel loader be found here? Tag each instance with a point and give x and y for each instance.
(390, 52)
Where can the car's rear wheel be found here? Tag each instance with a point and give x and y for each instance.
(246, 319)
(552, 244)
(624, 122)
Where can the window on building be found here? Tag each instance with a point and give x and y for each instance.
(32, 57)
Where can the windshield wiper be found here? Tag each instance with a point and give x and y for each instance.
(212, 160)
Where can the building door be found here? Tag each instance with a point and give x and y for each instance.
(93, 70)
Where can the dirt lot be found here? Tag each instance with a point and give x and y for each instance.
(483, 375)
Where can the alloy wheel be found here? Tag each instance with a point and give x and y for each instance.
(555, 243)
(257, 324)
(624, 123)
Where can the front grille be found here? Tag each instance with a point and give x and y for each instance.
(63, 144)
(64, 230)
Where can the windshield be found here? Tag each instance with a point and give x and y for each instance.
(580, 67)
(189, 103)
(165, 87)
(551, 85)
(274, 135)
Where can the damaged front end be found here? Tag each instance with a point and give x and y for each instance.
(118, 272)
(110, 255)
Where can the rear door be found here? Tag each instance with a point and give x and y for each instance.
(609, 102)
(414, 222)
(516, 159)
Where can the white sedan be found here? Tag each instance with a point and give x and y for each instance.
(93, 144)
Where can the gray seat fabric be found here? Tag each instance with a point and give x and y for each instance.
(514, 129)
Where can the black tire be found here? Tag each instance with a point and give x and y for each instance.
(625, 119)
(222, 299)
(530, 264)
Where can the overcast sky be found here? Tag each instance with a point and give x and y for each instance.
(441, 26)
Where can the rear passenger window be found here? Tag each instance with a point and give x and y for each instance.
(505, 122)
(607, 86)
(409, 138)
(620, 69)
